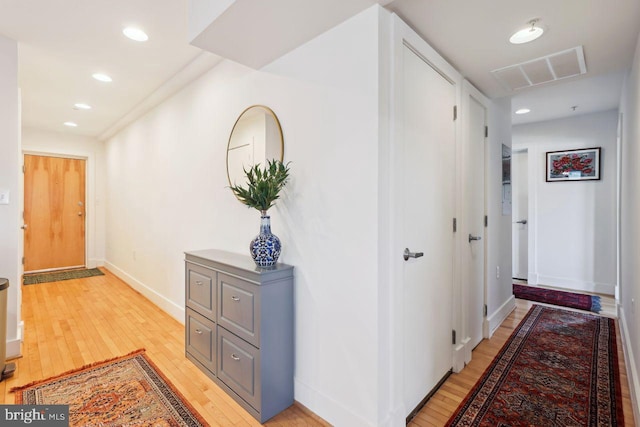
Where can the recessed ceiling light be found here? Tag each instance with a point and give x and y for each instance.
(523, 111)
(135, 34)
(81, 106)
(71, 124)
(101, 77)
(528, 34)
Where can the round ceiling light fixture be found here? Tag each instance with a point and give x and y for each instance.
(528, 34)
(81, 106)
(135, 34)
(102, 77)
(523, 111)
(71, 124)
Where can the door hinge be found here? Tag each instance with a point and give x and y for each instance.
(484, 310)
(455, 225)
(453, 336)
(24, 169)
(486, 221)
(455, 112)
(486, 131)
(22, 260)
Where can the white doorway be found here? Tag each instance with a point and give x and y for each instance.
(473, 239)
(520, 212)
(427, 211)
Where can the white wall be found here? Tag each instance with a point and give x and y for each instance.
(40, 142)
(10, 181)
(629, 313)
(500, 301)
(166, 193)
(572, 225)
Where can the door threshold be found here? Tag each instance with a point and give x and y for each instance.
(424, 401)
(50, 270)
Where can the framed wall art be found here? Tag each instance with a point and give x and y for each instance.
(573, 165)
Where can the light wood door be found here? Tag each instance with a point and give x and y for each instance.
(428, 211)
(520, 185)
(54, 213)
(474, 250)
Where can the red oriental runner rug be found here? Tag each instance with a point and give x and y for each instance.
(558, 368)
(564, 299)
(125, 391)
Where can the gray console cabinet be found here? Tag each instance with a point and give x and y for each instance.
(239, 328)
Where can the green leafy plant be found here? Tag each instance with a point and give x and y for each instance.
(263, 185)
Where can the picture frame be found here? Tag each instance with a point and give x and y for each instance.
(573, 165)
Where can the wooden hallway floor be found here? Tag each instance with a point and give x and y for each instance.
(446, 400)
(73, 323)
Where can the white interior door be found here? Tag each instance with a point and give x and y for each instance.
(473, 247)
(520, 194)
(428, 211)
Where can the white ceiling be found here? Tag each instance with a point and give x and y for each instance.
(62, 42)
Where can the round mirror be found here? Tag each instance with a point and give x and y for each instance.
(256, 137)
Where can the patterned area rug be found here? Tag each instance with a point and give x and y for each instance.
(558, 368)
(564, 299)
(32, 279)
(128, 390)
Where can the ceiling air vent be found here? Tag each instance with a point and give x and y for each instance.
(556, 66)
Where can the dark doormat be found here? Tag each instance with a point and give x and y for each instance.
(32, 279)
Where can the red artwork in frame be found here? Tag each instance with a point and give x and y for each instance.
(573, 165)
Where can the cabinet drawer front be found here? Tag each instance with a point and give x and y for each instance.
(239, 367)
(201, 290)
(201, 339)
(239, 308)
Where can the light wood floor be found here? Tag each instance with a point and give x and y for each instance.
(77, 322)
(443, 404)
(73, 323)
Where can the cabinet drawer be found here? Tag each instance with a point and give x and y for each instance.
(238, 308)
(201, 290)
(239, 367)
(201, 339)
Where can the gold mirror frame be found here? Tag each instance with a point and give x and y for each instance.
(271, 137)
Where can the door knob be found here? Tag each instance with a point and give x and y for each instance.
(522, 221)
(79, 213)
(472, 238)
(24, 226)
(407, 254)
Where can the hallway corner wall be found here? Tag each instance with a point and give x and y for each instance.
(629, 314)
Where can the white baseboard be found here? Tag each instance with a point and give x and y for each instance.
(95, 262)
(13, 347)
(460, 355)
(330, 410)
(576, 285)
(174, 310)
(629, 358)
(495, 319)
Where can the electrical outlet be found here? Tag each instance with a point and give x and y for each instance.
(497, 271)
(4, 197)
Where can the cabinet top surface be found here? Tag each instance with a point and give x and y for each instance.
(233, 259)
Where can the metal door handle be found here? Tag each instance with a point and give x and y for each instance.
(522, 221)
(24, 226)
(234, 357)
(407, 254)
(472, 238)
(235, 298)
(79, 213)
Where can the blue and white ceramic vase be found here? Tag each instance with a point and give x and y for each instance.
(265, 248)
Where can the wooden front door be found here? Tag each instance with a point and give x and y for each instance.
(54, 213)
